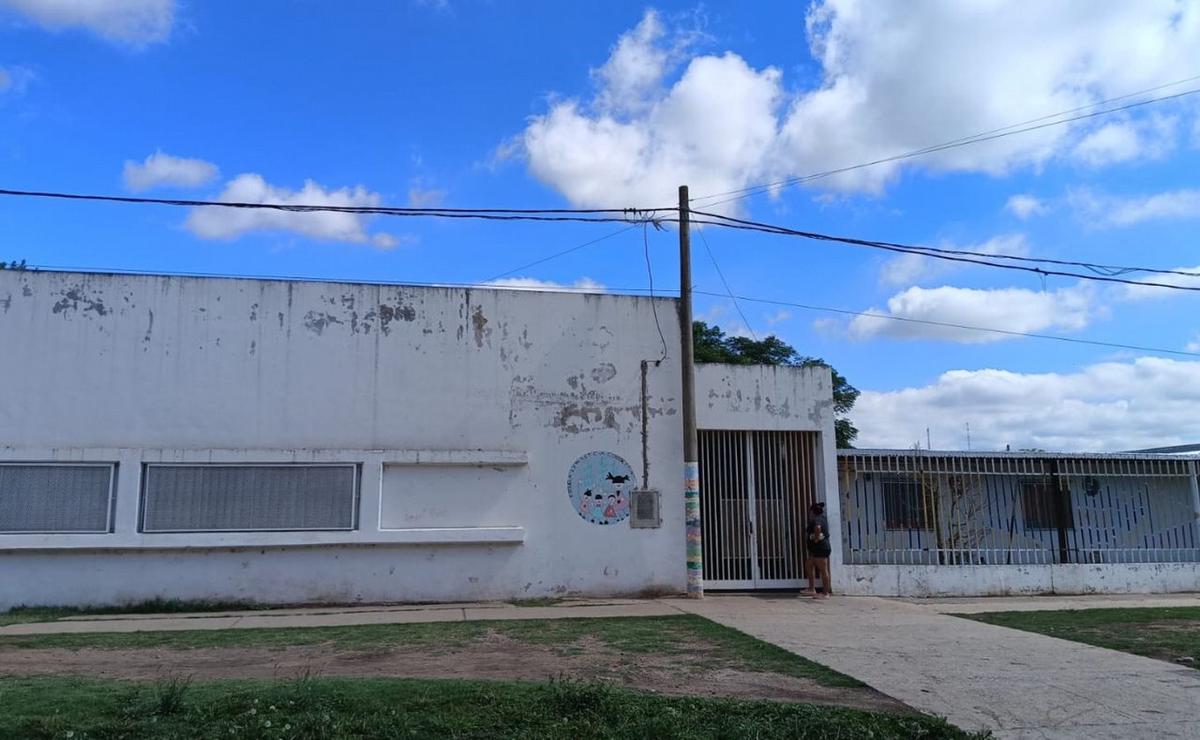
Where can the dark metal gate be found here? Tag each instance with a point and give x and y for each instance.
(755, 490)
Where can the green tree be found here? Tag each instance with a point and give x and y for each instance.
(712, 346)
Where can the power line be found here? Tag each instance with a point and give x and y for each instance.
(588, 215)
(556, 255)
(1010, 130)
(951, 255)
(650, 278)
(725, 282)
(967, 327)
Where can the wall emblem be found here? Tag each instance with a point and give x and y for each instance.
(598, 485)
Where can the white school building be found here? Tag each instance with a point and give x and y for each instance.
(284, 442)
(294, 442)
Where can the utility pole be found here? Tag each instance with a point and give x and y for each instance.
(687, 361)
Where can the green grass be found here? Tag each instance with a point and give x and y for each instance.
(673, 635)
(22, 614)
(1166, 633)
(40, 709)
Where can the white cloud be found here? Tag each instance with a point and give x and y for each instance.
(163, 170)
(1148, 292)
(778, 317)
(1024, 206)
(582, 285)
(425, 198)
(912, 268)
(1125, 141)
(136, 23)
(895, 76)
(1011, 309)
(1194, 344)
(14, 80)
(1110, 210)
(1108, 406)
(214, 222)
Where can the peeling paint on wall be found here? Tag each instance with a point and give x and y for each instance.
(74, 300)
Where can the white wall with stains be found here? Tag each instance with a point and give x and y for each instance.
(464, 408)
(777, 398)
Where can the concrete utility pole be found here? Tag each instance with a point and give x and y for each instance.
(687, 360)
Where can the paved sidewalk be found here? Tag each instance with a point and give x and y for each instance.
(979, 676)
(968, 605)
(339, 617)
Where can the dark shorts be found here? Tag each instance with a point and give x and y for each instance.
(819, 551)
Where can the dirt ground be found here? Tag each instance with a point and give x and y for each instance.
(495, 657)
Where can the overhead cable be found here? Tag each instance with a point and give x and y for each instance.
(1033, 124)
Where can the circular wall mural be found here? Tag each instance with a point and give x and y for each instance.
(598, 485)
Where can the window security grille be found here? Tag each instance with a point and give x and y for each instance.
(645, 510)
(1044, 506)
(242, 498)
(55, 499)
(904, 505)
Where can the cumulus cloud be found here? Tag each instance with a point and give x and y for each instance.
(912, 268)
(659, 118)
(1011, 309)
(136, 23)
(1125, 141)
(1025, 206)
(1111, 210)
(1108, 406)
(582, 285)
(1194, 344)
(164, 170)
(213, 222)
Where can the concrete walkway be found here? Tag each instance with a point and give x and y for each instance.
(979, 676)
(339, 617)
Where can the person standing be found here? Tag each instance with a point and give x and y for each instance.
(816, 538)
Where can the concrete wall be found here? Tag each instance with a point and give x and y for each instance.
(773, 398)
(464, 408)
(1009, 580)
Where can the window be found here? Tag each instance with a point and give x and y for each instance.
(49, 498)
(903, 504)
(242, 498)
(1044, 506)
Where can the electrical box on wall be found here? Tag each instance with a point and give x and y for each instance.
(645, 509)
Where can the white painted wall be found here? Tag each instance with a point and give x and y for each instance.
(1011, 580)
(465, 408)
(775, 398)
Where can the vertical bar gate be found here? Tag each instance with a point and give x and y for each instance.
(758, 486)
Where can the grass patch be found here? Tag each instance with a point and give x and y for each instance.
(40, 709)
(671, 635)
(22, 614)
(1165, 633)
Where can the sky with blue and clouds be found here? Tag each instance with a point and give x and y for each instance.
(465, 103)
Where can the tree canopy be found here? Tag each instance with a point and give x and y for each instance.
(713, 346)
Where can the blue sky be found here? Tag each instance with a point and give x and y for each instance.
(568, 104)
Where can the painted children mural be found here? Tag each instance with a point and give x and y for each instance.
(598, 486)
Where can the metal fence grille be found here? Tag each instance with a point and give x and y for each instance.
(1016, 510)
(755, 490)
(228, 498)
(45, 499)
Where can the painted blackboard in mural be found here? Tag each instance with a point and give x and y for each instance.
(598, 485)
